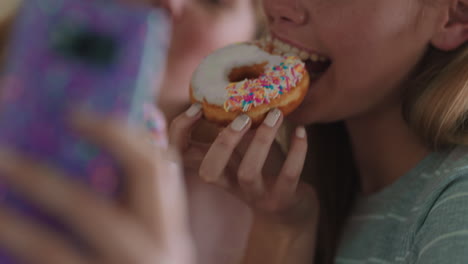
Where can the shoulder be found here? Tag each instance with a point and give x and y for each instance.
(446, 184)
(457, 160)
(442, 233)
(448, 173)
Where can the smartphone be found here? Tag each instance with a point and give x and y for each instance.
(103, 56)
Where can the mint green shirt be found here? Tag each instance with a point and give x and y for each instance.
(422, 218)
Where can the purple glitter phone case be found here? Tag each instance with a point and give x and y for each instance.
(100, 55)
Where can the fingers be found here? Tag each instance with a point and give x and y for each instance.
(104, 227)
(156, 193)
(181, 128)
(250, 171)
(162, 200)
(285, 187)
(119, 139)
(156, 126)
(220, 152)
(32, 244)
(137, 159)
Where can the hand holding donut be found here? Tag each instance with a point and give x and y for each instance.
(244, 86)
(281, 198)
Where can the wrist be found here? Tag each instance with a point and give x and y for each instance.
(302, 213)
(278, 242)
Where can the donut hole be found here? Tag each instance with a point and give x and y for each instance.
(250, 72)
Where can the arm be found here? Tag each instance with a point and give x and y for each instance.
(288, 237)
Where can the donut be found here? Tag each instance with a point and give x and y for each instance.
(244, 78)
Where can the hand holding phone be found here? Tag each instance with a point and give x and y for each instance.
(98, 55)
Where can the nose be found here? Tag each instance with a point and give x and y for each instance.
(285, 12)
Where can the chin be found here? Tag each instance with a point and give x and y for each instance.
(306, 115)
(301, 117)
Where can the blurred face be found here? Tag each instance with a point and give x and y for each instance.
(367, 47)
(205, 25)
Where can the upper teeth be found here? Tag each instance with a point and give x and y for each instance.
(281, 48)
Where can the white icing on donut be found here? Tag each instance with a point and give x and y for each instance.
(211, 77)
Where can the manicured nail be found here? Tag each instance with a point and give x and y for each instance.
(300, 132)
(272, 117)
(240, 122)
(193, 110)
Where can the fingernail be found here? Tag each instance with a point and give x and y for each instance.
(272, 117)
(156, 126)
(300, 132)
(193, 110)
(240, 123)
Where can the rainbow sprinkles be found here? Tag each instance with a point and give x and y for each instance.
(275, 81)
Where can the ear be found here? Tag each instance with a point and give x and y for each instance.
(455, 31)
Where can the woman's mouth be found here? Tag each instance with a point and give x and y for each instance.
(316, 63)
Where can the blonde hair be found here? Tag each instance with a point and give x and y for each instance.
(436, 101)
(435, 107)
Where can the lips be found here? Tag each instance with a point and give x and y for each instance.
(316, 63)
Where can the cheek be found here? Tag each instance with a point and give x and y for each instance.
(380, 45)
(356, 26)
(372, 55)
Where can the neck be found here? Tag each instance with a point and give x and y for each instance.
(384, 148)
